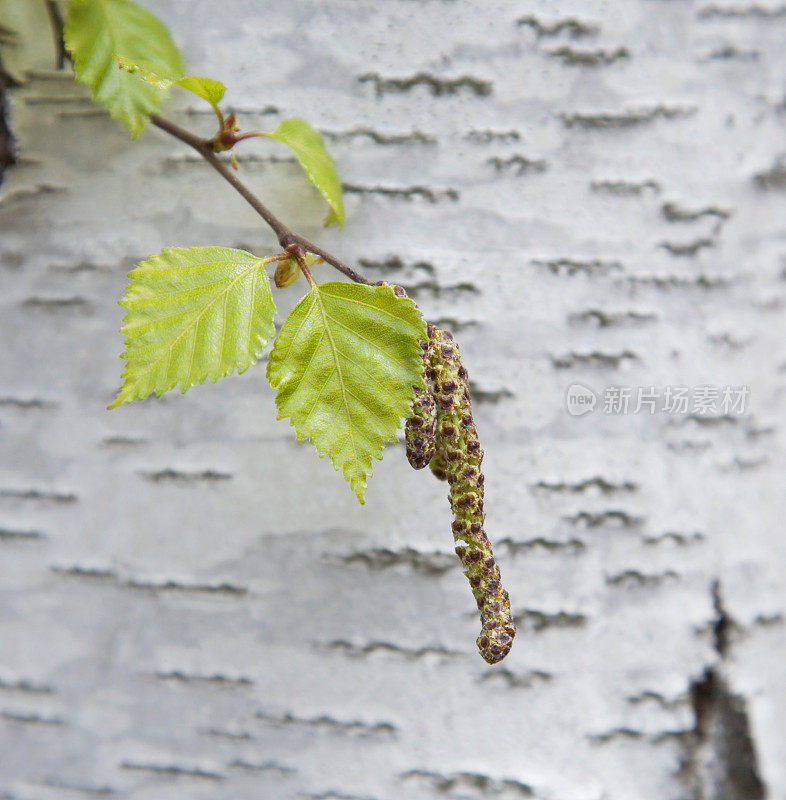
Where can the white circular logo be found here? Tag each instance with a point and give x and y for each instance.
(579, 400)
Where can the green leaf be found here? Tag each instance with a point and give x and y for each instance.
(100, 34)
(316, 161)
(146, 73)
(207, 88)
(344, 365)
(193, 313)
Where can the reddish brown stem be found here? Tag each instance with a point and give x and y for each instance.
(286, 237)
(299, 253)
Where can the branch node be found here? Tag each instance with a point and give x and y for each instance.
(286, 237)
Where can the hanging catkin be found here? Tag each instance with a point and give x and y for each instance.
(458, 458)
(441, 432)
(421, 427)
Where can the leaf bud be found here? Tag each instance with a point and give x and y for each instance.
(287, 272)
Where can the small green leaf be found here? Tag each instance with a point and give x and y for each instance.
(316, 161)
(101, 33)
(193, 313)
(207, 88)
(344, 365)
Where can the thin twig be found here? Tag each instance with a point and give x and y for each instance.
(286, 237)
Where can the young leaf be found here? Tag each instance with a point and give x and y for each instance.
(101, 33)
(193, 313)
(146, 73)
(344, 365)
(316, 161)
(207, 88)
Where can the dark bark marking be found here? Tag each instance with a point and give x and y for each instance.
(38, 495)
(619, 518)
(511, 680)
(687, 248)
(170, 475)
(594, 359)
(330, 723)
(680, 281)
(217, 679)
(357, 651)
(25, 686)
(541, 620)
(611, 319)
(590, 58)
(173, 770)
(625, 188)
(55, 304)
(518, 164)
(488, 136)
(30, 718)
(234, 736)
(572, 266)
(575, 28)
(741, 12)
(405, 193)
(675, 213)
(415, 137)
(632, 577)
(109, 576)
(8, 535)
(624, 119)
(383, 558)
(26, 403)
(90, 791)
(680, 539)
(438, 290)
(267, 766)
(436, 86)
(470, 781)
(773, 178)
(571, 545)
(597, 483)
(490, 396)
(396, 264)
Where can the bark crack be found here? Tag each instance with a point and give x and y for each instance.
(720, 760)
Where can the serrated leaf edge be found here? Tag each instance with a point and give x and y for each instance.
(358, 483)
(79, 65)
(260, 345)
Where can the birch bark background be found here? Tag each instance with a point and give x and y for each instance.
(194, 606)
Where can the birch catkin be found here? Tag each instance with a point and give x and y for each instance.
(421, 427)
(441, 432)
(459, 457)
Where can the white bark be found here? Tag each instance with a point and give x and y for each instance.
(193, 605)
